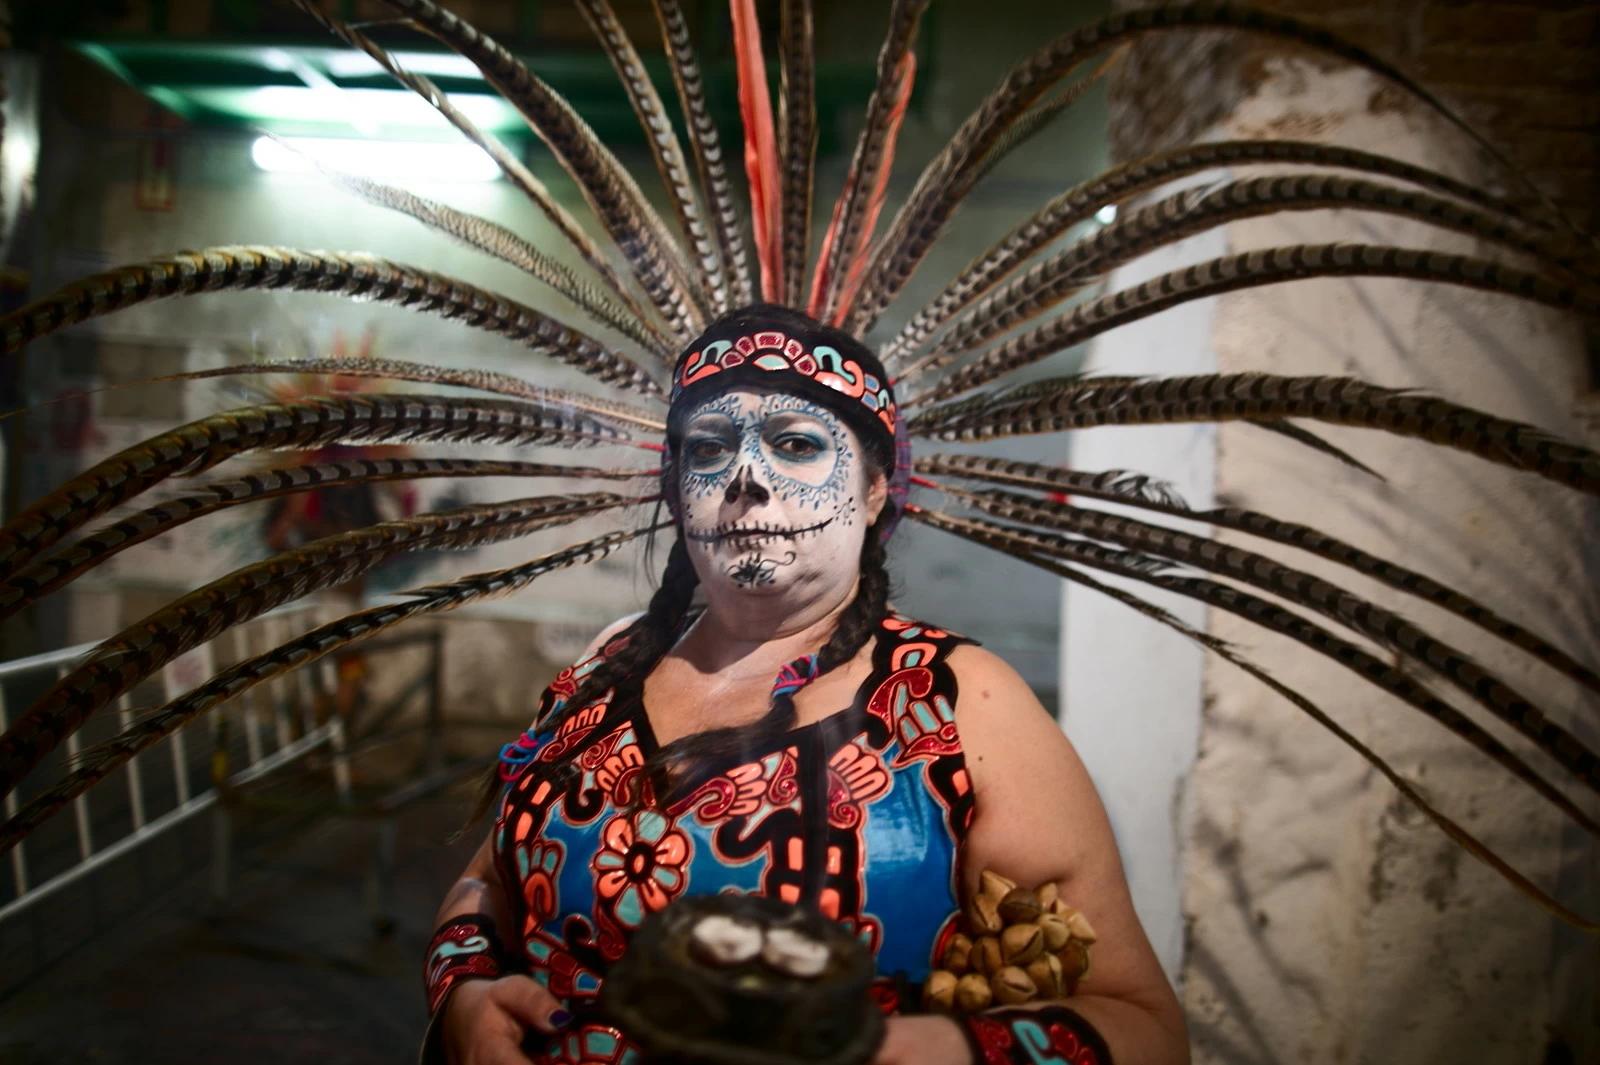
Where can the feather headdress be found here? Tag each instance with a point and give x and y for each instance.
(1035, 292)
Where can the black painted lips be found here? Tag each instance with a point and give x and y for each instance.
(755, 534)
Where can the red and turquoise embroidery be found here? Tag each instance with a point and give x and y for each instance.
(1048, 1035)
(860, 814)
(776, 351)
(592, 1045)
(642, 865)
(463, 948)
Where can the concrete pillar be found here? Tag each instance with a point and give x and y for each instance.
(1324, 919)
(1328, 920)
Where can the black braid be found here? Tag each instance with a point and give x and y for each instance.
(682, 759)
(652, 635)
(649, 637)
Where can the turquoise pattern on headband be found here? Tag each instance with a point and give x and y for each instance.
(776, 351)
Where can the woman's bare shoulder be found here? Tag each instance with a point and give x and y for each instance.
(1004, 727)
(986, 680)
(609, 633)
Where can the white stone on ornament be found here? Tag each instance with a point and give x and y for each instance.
(722, 940)
(794, 953)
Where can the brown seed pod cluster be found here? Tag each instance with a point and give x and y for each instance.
(1016, 945)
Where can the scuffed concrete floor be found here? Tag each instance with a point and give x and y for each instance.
(289, 967)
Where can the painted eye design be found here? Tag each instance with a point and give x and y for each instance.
(797, 446)
(707, 451)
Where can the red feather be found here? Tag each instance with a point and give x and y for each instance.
(819, 278)
(760, 147)
(855, 270)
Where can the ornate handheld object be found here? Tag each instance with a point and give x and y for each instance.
(745, 980)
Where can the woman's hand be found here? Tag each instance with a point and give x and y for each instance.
(924, 1041)
(484, 1020)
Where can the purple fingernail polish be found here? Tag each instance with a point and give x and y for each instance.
(560, 1019)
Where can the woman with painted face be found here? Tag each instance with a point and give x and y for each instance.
(794, 738)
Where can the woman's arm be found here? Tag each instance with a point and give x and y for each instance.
(1039, 819)
(482, 1021)
(477, 890)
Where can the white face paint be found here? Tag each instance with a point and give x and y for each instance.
(775, 495)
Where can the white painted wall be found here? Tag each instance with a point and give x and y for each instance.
(1322, 918)
(1131, 688)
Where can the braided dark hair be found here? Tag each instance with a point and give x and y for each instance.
(682, 759)
(649, 637)
(653, 633)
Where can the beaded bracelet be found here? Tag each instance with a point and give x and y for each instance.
(1048, 1035)
(463, 948)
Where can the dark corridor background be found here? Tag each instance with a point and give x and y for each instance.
(297, 966)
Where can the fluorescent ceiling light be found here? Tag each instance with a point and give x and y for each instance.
(432, 64)
(364, 109)
(380, 160)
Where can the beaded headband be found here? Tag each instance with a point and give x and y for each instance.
(774, 351)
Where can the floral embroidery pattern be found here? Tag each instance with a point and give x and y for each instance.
(538, 863)
(640, 866)
(863, 809)
(620, 772)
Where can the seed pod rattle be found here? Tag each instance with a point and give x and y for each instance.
(1017, 945)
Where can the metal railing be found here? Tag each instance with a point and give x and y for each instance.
(177, 677)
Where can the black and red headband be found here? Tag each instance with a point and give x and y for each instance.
(772, 346)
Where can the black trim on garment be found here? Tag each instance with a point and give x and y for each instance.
(813, 772)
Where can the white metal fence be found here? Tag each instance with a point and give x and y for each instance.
(272, 739)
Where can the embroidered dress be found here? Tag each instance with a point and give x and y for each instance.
(861, 814)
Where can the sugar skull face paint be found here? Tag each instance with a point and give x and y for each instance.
(774, 493)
